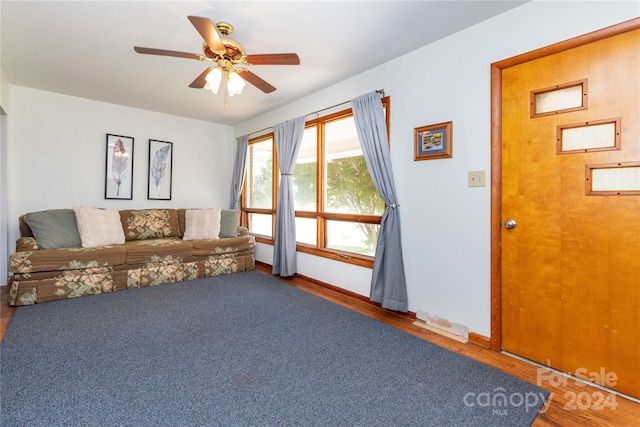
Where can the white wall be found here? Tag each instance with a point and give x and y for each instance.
(57, 152)
(445, 224)
(4, 248)
(4, 240)
(4, 92)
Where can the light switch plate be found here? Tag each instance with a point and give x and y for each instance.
(477, 178)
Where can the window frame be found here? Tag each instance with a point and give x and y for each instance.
(319, 215)
(244, 210)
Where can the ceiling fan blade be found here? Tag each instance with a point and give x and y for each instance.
(164, 52)
(201, 80)
(208, 32)
(274, 59)
(256, 81)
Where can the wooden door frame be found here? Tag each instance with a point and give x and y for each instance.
(495, 341)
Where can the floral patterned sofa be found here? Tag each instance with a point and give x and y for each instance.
(154, 246)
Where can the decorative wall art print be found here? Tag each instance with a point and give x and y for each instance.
(118, 182)
(434, 141)
(160, 165)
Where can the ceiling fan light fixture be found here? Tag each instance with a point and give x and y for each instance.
(225, 53)
(213, 80)
(235, 84)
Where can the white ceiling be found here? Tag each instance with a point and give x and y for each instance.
(85, 48)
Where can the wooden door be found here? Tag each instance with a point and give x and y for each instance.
(570, 272)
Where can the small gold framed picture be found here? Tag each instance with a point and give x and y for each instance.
(434, 141)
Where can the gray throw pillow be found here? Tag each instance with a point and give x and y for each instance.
(55, 228)
(229, 222)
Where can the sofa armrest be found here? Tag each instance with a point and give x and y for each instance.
(24, 244)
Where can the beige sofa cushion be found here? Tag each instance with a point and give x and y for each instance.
(202, 224)
(99, 227)
(229, 222)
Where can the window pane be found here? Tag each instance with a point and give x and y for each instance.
(352, 237)
(260, 224)
(348, 186)
(306, 230)
(259, 180)
(304, 175)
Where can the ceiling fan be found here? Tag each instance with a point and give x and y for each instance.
(227, 54)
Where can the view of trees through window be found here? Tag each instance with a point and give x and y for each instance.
(337, 206)
(259, 186)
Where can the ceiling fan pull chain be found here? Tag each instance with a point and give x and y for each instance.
(226, 91)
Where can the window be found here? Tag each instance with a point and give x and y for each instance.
(338, 209)
(259, 188)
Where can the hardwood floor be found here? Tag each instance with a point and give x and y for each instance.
(569, 404)
(6, 311)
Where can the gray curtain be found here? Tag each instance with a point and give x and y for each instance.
(237, 179)
(288, 136)
(388, 284)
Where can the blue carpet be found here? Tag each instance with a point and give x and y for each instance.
(239, 350)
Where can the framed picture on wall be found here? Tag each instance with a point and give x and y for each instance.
(433, 141)
(160, 170)
(118, 180)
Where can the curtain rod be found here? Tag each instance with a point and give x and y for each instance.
(380, 91)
